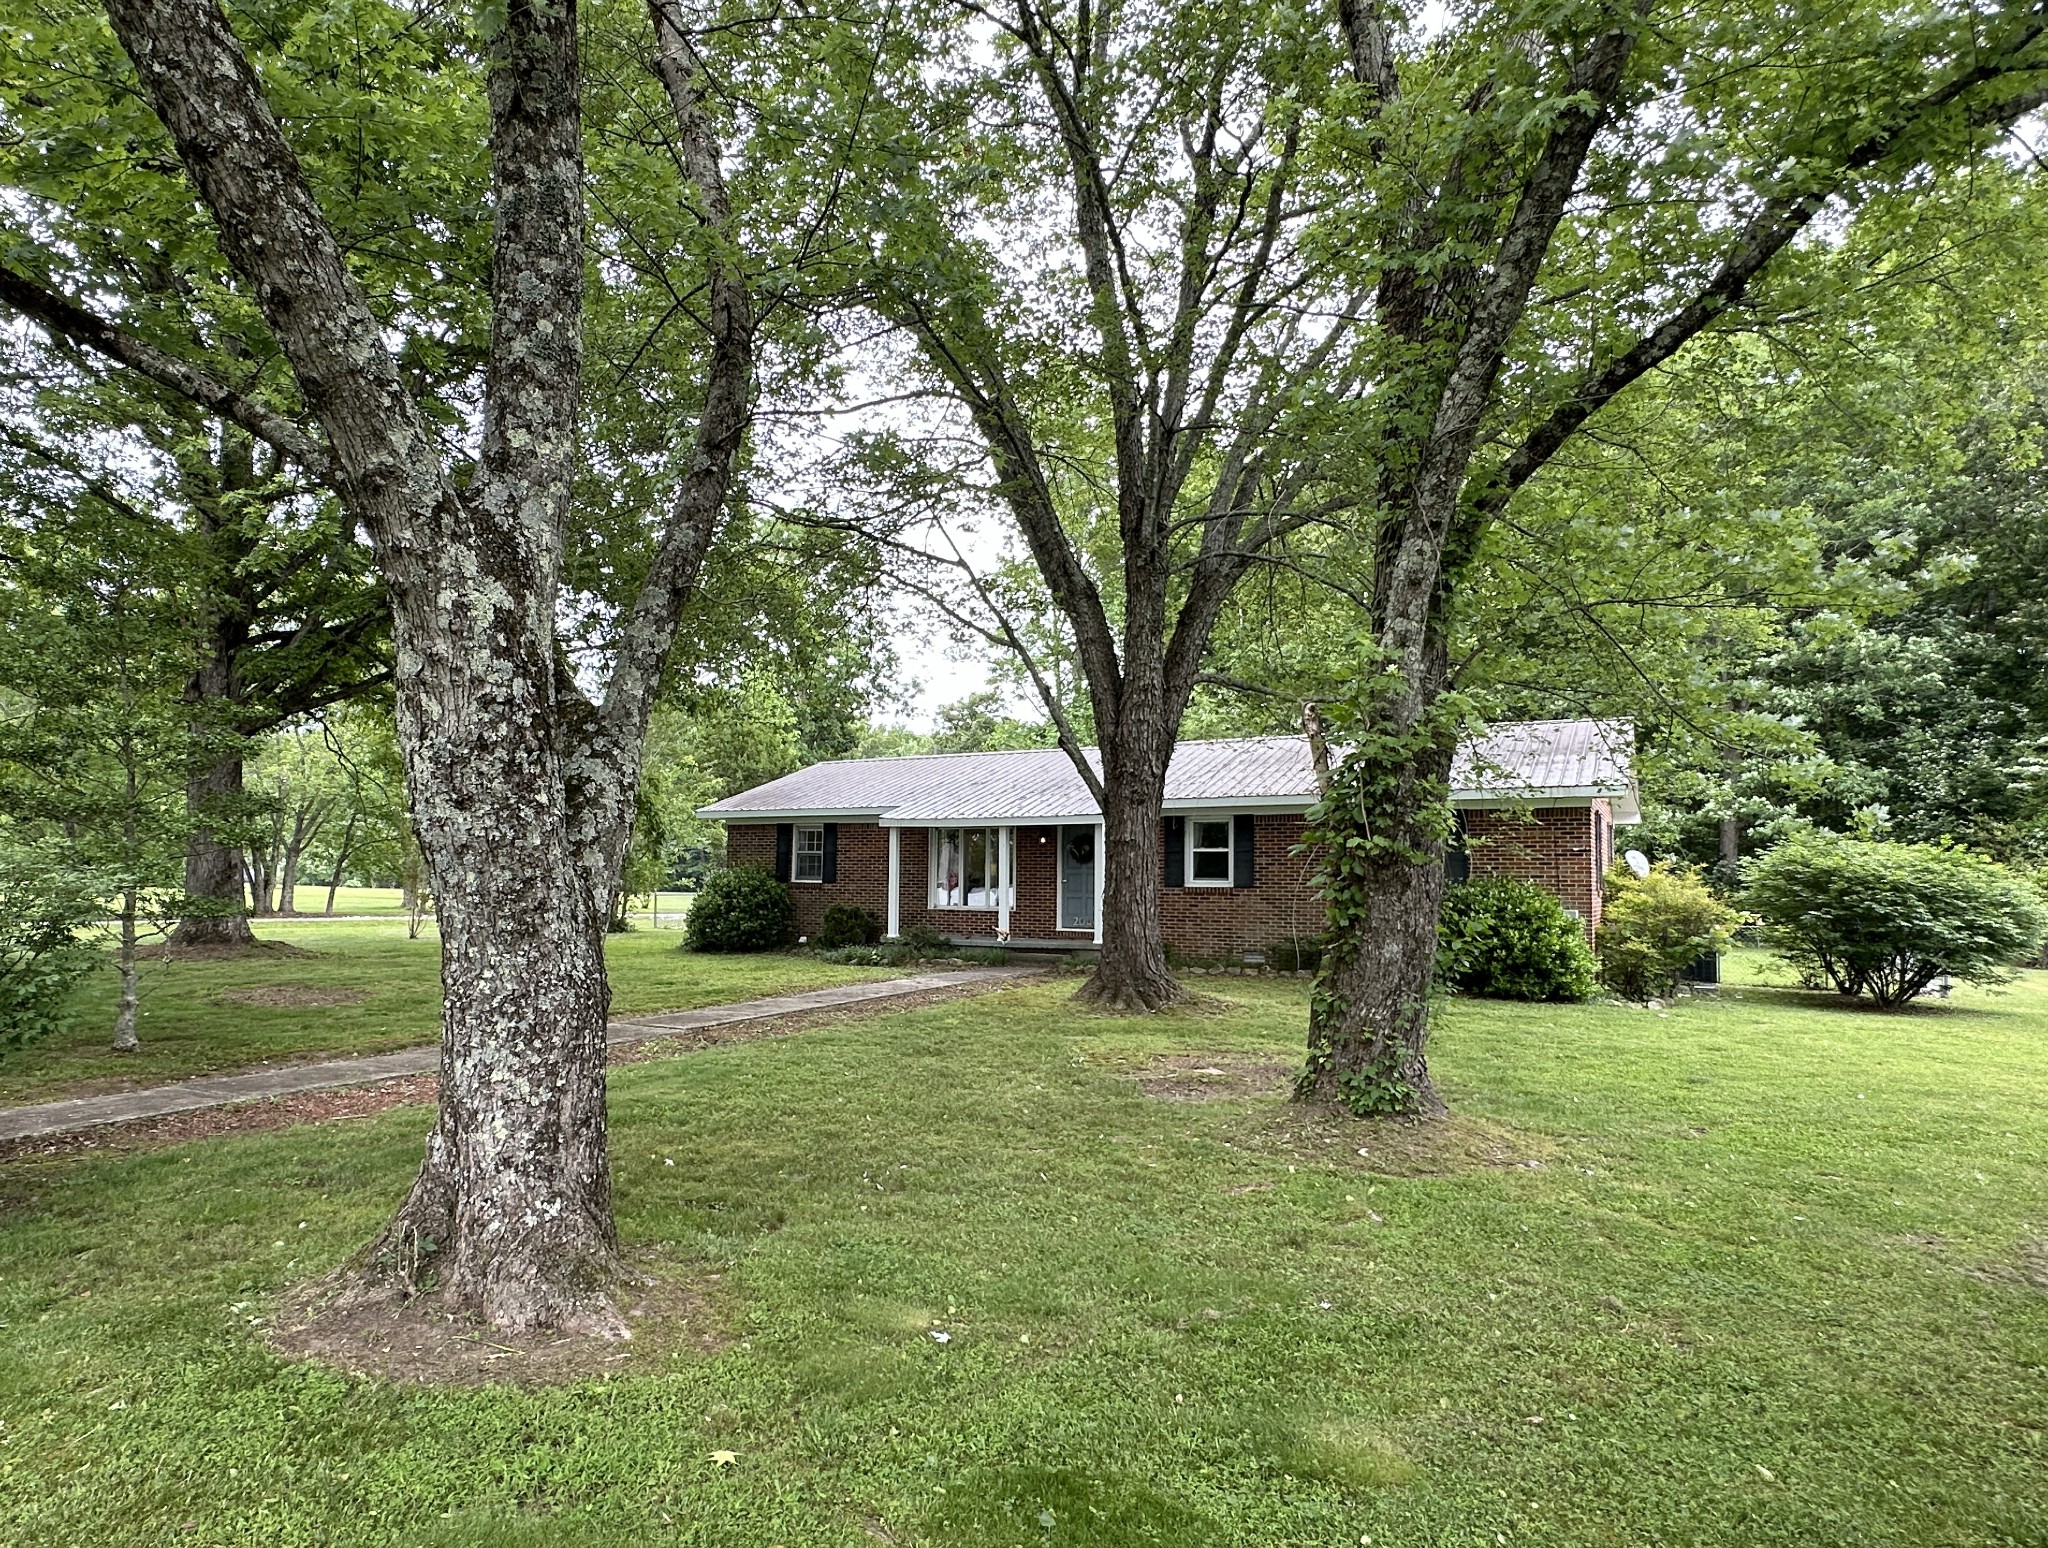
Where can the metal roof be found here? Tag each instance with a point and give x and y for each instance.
(1536, 760)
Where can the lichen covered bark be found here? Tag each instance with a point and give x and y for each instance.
(510, 1214)
(521, 789)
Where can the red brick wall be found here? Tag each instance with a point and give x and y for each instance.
(863, 879)
(1199, 922)
(1558, 848)
(1212, 923)
(1553, 847)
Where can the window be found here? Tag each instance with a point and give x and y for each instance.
(966, 866)
(1209, 851)
(807, 860)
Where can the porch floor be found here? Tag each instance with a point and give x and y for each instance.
(1026, 943)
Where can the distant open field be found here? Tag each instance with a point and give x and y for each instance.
(355, 902)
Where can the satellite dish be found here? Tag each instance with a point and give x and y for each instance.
(1638, 863)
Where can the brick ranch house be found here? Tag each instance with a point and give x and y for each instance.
(1000, 847)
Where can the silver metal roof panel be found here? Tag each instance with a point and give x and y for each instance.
(1527, 760)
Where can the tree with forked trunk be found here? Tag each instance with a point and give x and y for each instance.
(522, 784)
(1210, 290)
(1565, 131)
(1134, 345)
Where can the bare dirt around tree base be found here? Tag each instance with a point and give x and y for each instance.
(1215, 1077)
(292, 996)
(222, 951)
(1323, 1134)
(422, 1343)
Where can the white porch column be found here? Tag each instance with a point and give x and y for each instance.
(1003, 840)
(895, 882)
(1101, 862)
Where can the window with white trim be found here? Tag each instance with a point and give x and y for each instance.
(807, 860)
(966, 867)
(1208, 851)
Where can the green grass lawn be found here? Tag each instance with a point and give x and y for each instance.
(1767, 1285)
(202, 1017)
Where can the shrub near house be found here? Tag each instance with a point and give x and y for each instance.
(1656, 927)
(742, 908)
(1886, 920)
(1507, 939)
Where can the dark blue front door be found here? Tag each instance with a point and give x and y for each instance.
(1077, 878)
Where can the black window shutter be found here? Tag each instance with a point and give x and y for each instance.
(1173, 841)
(1457, 859)
(1244, 850)
(785, 843)
(831, 851)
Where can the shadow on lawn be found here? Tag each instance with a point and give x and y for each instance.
(1788, 998)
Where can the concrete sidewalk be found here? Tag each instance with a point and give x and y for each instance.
(221, 1090)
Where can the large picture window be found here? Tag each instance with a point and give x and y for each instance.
(1209, 851)
(966, 867)
(807, 860)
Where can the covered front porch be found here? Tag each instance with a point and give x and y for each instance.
(1024, 884)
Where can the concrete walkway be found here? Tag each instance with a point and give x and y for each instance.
(220, 1090)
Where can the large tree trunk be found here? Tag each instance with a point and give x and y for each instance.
(213, 797)
(1132, 973)
(510, 1215)
(1369, 1011)
(521, 790)
(213, 870)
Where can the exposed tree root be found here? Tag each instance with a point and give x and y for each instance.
(562, 1278)
(1124, 995)
(423, 1340)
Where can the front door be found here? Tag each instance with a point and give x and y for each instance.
(1077, 878)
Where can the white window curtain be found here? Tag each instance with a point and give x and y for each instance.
(1209, 852)
(966, 867)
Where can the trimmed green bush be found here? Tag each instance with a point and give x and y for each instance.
(1505, 939)
(742, 908)
(925, 939)
(1886, 920)
(1655, 927)
(848, 924)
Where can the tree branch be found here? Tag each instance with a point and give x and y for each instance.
(66, 320)
(1070, 742)
(386, 463)
(1766, 234)
(706, 484)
